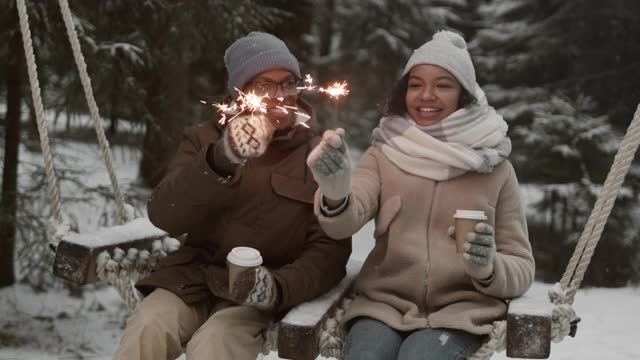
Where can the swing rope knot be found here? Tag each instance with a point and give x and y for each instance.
(496, 342)
(333, 334)
(101, 264)
(270, 339)
(564, 318)
(56, 231)
(170, 244)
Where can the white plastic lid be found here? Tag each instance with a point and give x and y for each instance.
(244, 256)
(470, 214)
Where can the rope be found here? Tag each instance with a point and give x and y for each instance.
(563, 293)
(563, 314)
(93, 107)
(332, 335)
(123, 270)
(270, 339)
(496, 342)
(590, 237)
(56, 222)
(118, 270)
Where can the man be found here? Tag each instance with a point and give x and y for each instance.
(243, 184)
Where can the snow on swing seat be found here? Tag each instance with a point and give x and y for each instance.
(77, 254)
(115, 254)
(123, 254)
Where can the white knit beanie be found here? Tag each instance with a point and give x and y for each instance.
(449, 51)
(255, 53)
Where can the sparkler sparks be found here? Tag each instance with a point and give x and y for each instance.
(308, 81)
(252, 102)
(336, 90)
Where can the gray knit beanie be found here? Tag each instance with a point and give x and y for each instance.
(255, 53)
(449, 51)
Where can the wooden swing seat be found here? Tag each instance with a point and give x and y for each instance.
(299, 333)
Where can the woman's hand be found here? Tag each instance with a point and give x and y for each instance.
(479, 251)
(330, 163)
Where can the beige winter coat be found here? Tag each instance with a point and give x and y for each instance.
(413, 278)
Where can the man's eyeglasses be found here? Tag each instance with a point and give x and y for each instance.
(289, 87)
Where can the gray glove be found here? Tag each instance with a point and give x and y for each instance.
(479, 251)
(247, 136)
(330, 163)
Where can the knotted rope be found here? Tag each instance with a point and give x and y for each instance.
(563, 293)
(563, 314)
(495, 342)
(333, 335)
(118, 269)
(55, 230)
(93, 108)
(123, 270)
(590, 237)
(270, 339)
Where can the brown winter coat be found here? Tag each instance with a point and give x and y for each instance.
(267, 205)
(413, 278)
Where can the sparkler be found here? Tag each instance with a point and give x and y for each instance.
(252, 102)
(336, 90)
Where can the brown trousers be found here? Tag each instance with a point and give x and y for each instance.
(163, 325)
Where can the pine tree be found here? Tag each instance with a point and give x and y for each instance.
(538, 60)
(14, 78)
(367, 44)
(155, 60)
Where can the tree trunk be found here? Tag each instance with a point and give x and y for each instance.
(327, 31)
(8, 198)
(113, 116)
(166, 101)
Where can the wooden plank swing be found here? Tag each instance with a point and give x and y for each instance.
(124, 253)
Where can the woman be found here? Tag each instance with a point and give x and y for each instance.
(439, 148)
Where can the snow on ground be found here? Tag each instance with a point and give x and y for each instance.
(54, 325)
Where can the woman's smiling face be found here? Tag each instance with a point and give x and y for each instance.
(432, 94)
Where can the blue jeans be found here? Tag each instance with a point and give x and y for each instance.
(371, 339)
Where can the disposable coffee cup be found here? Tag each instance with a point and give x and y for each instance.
(240, 259)
(464, 222)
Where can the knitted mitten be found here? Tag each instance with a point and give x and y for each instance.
(256, 287)
(247, 137)
(330, 165)
(479, 251)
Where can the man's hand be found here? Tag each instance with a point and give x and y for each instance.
(330, 164)
(247, 136)
(256, 287)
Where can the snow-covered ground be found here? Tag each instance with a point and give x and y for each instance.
(55, 325)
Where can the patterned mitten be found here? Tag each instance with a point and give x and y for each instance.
(256, 287)
(479, 251)
(330, 164)
(247, 137)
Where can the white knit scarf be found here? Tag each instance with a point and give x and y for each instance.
(471, 139)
